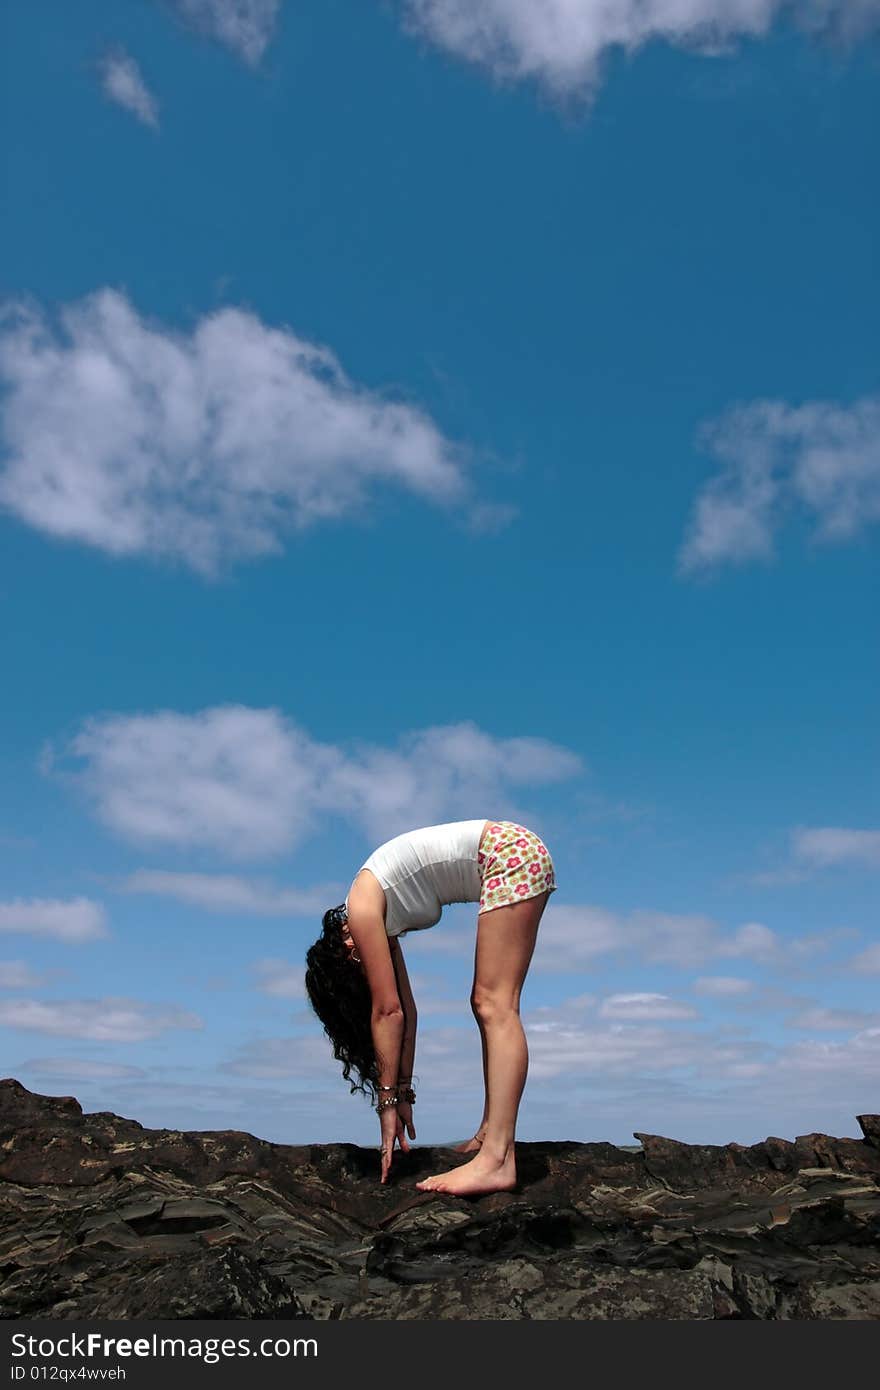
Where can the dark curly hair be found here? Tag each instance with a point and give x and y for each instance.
(340, 996)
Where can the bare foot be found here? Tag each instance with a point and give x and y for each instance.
(471, 1146)
(474, 1179)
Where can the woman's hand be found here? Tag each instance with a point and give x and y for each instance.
(396, 1123)
(405, 1124)
(390, 1126)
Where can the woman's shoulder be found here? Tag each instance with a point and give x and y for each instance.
(366, 894)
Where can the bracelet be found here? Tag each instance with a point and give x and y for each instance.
(386, 1103)
(387, 1088)
(408, 1094)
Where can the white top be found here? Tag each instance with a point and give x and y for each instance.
(424, 870)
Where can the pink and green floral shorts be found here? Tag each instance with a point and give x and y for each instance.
(514, 865)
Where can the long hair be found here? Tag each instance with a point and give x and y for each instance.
(340, 996)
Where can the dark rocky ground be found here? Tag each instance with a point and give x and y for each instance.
(101, 1217)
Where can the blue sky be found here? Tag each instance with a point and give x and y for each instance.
(404, 420)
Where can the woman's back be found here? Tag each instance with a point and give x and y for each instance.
(423, 870)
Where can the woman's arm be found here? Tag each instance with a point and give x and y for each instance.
(392, 1014)
(367, 927)
(410, 1016)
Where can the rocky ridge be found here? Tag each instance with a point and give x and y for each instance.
(102, 1217)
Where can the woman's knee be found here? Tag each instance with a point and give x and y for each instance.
(493, 1006)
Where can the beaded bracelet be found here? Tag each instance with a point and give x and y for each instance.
(405, 1093)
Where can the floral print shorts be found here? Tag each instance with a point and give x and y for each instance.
(514, 864)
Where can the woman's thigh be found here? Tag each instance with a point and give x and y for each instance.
(505, 943)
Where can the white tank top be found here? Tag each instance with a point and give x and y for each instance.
(424, 870)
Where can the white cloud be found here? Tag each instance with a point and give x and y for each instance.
(443, 1008)
(203, 448)
(15, 974)
(160, 1097)
(687, 1081)
(753, 941)
(280, 978)
(284, 1113)
(644, 1007)
(775, 878)
(589, 1076)
(589, 1079)
(226, 893)
(245, 26)
(818, 459)
(249, 783)
(304, 1058)
(73, 921)
(122, 82)
(561, 43)
(819, 942)
(76, 1069)
(544, 1018)
(867, 962)
(241, 781)
(857, 1059)
(821, 1019)
(100, 1020)
(573, 938)
(444, 772)
(829, 845)
(824, 847)
(437, 996)
(722, 986)
(618, 1049)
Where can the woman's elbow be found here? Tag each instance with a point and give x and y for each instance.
(387, 1010)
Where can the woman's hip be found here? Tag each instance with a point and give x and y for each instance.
(514, 864)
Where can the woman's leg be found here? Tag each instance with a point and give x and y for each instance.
(505, 942)
(472, 1145)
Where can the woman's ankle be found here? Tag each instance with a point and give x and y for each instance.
(498, 1153)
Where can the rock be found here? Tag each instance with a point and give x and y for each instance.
(519, 1288)
(757, 1165)
(870, 1126)
(102, 1217)
(840, 1301)
(184, 1283)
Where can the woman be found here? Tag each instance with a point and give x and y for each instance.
(358, 986)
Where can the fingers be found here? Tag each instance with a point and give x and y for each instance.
(394, 1130)
(389, 1134)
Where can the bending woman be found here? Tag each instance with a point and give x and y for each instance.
(358, 986)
